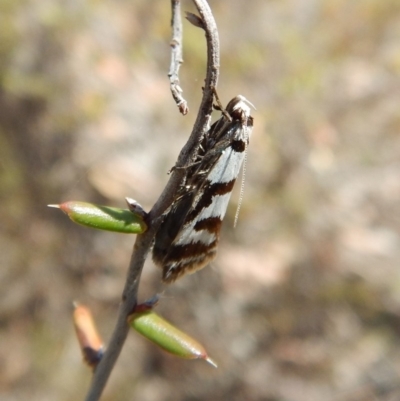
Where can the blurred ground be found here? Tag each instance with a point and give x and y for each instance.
(303, 301)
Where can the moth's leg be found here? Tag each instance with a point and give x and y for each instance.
(219, 105)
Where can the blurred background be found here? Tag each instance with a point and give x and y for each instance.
(303, 300)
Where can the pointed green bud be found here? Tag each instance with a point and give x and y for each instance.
(167, 336)
(104, 217)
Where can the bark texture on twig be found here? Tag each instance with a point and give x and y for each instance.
(176, 57)
(143, 242)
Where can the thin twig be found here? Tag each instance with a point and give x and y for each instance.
(204, 114)
(176, 57)
(143, 242)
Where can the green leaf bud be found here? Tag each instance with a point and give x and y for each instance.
(167, 336)
(103, 217)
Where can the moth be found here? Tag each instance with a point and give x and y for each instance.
(188, 235)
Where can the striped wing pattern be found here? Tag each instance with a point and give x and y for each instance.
(188, 236)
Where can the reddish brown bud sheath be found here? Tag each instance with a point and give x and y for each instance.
(88, 337)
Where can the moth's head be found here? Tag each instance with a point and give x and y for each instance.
(239, 107)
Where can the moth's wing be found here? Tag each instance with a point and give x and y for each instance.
(176, 217)
(189, 235)
(213, 199)
(195, 244)
(170, 226)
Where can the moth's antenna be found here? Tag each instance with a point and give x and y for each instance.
(242, 183)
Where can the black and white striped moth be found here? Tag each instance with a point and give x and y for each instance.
(188, 235)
